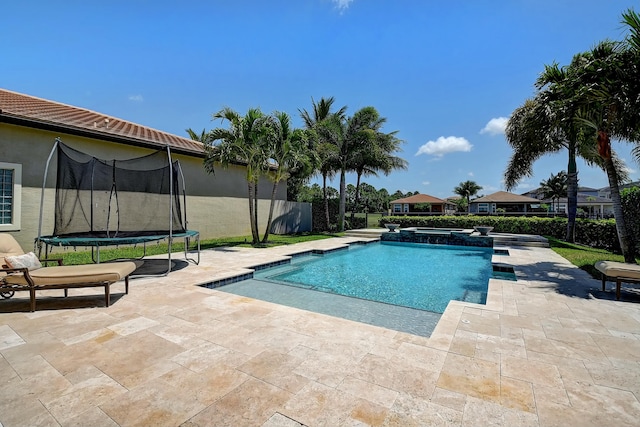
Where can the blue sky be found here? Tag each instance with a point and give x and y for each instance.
(445, 74)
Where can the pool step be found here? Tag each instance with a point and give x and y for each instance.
(371, 233)
(500, 239)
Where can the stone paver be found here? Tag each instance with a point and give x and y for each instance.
(550, 349)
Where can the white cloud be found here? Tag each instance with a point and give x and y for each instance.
(525, 186)
(342, 5)
(425, 183)
(444, 145)
(488, 189)
(496, 126)
(470, 174)
(136, 98)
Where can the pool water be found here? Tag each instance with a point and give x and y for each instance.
(418, 276)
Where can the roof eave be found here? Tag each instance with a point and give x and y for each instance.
(22, 121)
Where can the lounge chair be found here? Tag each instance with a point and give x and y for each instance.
(620, 272)
(20, 271)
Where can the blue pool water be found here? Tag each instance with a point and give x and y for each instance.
(418, 276)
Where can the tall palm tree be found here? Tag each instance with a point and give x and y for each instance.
(377, 154)
(555, 188)
(350, 135)
(608, 75)
(243, 142)
(547, 124)
(467, 189)
(326, 151)
(287, 148)
(568, 112)
(333, 131)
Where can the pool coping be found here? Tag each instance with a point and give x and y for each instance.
(497, 264)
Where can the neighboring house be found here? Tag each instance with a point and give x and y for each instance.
(420, 204)
(606, 191)
(537, 193)
(503, 201)
(596, 203)
(593, 206)
(216, 204)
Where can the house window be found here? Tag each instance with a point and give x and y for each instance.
(483, 207)
(397, 208)
(10, 192)
(406, 207)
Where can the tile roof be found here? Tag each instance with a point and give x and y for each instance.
(36, 112)
(420, 198)
(505, 197)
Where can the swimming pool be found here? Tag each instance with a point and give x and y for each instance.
(418, 276)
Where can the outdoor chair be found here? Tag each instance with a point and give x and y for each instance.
(620, 272)
(20, 271)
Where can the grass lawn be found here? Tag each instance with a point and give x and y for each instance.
(584, 256)
(71, 256)
(372, 218)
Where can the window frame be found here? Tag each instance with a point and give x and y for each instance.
(16, 202)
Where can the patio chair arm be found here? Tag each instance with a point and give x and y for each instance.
(6, 269)
(9, 271)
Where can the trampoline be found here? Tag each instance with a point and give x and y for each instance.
(116, 202)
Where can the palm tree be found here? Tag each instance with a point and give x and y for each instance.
(287, 149)
(555, 188)
(467, 190)
(350, 135)
(376, 155)
(326, 152)
(244, 142)
(608, 78)
(547, 124)
(572, 109)
(333, 131)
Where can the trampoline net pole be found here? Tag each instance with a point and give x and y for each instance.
(170, 206)
(44, 185)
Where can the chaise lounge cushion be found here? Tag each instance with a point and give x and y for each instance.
(619, 269)
(75, 274)
(8, 247)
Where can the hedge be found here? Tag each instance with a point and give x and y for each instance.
(596, 233)
(631, 207)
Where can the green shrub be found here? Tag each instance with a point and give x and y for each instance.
(630, 198)
(596, 233)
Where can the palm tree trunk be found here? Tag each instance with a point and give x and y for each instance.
(572, 195)
(357, 198)
(256, 236)
(273, 201)
(604, 149)
(251, 211)
(326, 201)
(343, 198)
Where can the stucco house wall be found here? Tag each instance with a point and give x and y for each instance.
(217, 204)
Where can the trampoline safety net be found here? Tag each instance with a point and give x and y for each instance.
(116, 198)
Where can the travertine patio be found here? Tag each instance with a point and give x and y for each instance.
(551, 349)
